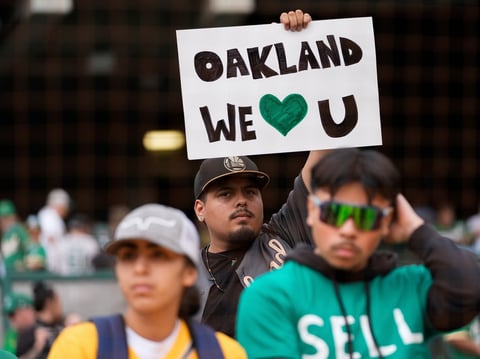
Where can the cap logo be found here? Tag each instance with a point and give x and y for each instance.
(144, 224)
(234, 164)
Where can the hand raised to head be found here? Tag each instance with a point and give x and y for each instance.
(406, 221)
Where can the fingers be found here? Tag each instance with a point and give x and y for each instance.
(285, 20)
(295, 20)
(307, 19)
(406, 211)
(406, 221)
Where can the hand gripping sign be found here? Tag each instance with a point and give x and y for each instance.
(259, 89)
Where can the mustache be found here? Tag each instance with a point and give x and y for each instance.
(241, 212)
(348, 245)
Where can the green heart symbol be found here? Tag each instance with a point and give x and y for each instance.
(283, 115)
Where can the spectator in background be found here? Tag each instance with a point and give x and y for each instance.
(426, 212)
(448, 225)
(20, 313)
(103, 261)
(115, 215)
(15, 238)
(36, 256)
(35, 341)
(473, 229)
(77, 248)
(52, 224)
(72, 319)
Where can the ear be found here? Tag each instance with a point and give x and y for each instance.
(199, 207)
(189, 276)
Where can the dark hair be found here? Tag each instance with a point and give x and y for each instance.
(190, 303)
(79, 221)
(373, 170)
(41, 293)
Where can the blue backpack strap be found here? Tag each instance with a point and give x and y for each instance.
(204, 341)
(112, 340)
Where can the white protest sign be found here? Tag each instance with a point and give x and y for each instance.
(261, 89)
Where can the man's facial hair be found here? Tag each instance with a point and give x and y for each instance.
(242, 237)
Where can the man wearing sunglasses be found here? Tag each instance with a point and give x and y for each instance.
(345, 299)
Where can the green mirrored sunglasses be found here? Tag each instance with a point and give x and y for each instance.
(366, 218)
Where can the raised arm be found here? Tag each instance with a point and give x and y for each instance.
(296, 21)
(454, 297)
(312, 159)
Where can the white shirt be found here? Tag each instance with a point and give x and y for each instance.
(148, 349)
(52, 229)
(75, 254)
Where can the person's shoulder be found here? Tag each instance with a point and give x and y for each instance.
(410, 269)
(288, 269)
(268, 238)
(80, 330)
(44, 212)
(277, 280)
(230, 347)
(409, 273)
(78, 341)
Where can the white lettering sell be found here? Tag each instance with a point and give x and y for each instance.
(340, 336)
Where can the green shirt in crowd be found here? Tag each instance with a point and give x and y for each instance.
(15, 242)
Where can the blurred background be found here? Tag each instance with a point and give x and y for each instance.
(81, 82)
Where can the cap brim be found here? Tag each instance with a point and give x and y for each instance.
(260, 177)
(113, 246)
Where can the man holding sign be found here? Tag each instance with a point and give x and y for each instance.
(229, 202)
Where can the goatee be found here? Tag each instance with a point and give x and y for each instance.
(241, 238)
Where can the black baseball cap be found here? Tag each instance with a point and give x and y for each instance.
(213, 169)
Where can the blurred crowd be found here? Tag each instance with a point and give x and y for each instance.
(463, 231)
(35, 320)
(55, 238)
